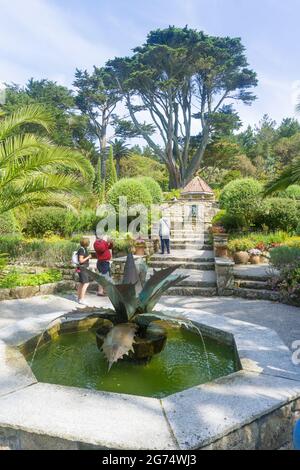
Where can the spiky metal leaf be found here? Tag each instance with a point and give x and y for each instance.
(131, 275)
(119, 342)
(158, 283)
(122, 296)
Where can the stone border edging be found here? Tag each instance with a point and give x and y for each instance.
(252, 408)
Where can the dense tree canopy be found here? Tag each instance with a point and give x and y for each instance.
(178, 76)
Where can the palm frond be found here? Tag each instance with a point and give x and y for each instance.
(289, 176)
(54, 159)
(21, 145)
(31, 114)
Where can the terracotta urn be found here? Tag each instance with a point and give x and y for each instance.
(255, 259)
(241, 257)
(140, 250)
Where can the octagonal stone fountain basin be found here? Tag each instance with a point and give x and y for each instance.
(253, 408)
(67, 354)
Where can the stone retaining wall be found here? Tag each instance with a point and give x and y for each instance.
(271, 432)
(25, 292)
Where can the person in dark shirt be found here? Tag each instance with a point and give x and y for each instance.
(83, 260)
(102, 247)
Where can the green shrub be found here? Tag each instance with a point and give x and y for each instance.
(138, 165)
(122, 241)
(44, 251)
(49, 221)
(12, 245)
(132, 189)
(16, 278)
(8, 224)
(153, 187)
(283, 256)
(292, 192)
(240, 244)
(85, 221)
(241, 199)
(229, 222)
(46, 220)
(264, 241)
(278, 214)
(231, 175)
(173, 194)
(297, 231)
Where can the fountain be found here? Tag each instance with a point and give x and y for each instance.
(137, 378)
(129, 337)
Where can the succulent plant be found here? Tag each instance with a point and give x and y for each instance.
(133, 297)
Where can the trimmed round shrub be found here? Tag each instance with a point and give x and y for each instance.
(278, 214)
(131, 188)
(231, 175)
(8, 224)
(241, 199)
(153, 188)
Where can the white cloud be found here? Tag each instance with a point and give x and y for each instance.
(35, 35)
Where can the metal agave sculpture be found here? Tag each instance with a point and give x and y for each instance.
(135, 296)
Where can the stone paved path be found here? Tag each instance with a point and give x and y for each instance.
(284, 319)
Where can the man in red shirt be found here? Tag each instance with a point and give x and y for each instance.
(102, 247)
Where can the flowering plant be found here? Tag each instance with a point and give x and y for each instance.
(140, 241)
(261, 246)
(255, 252)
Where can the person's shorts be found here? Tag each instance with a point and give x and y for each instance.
(104, 268)
(83, 277)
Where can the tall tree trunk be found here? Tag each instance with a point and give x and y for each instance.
(175, 181)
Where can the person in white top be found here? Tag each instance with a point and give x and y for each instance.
(164, 233)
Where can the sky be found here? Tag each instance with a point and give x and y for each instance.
(50, 38)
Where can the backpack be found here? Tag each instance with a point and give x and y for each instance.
(75, 260)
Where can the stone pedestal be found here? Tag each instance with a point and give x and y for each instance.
(225, 275)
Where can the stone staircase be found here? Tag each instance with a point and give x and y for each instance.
(194, 258)
(251, 282)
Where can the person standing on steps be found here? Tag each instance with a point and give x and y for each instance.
(164, 233)
(83, 261)
(102, 247)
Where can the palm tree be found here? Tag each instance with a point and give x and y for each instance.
(120, 150)
(291, 175)
(33, 171)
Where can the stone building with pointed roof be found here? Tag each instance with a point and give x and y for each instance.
(196, 204)
(197, 189)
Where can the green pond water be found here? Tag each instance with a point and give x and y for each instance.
(74, 360)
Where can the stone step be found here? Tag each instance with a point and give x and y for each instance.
(193, 291)
(186, 256)
(257, 285)
(203, 266)
(190, 246)
(195, 278)
(255, 294)
(251, 277)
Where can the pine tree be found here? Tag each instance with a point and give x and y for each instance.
(111, 172)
